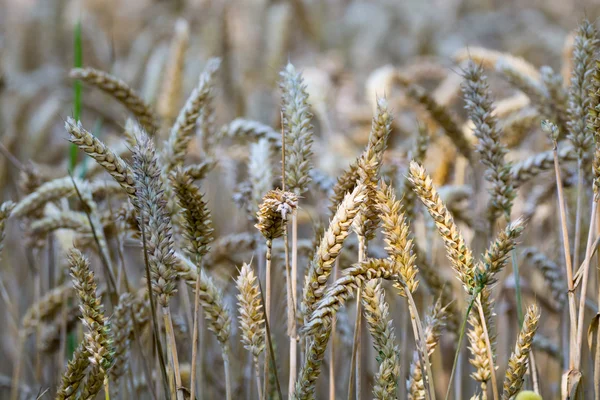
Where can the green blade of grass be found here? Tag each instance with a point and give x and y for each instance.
(77, 89)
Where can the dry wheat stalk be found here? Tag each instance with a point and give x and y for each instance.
(343, 288)
(103, 155)
(380, 326)
(517, 364)
(98, 342)
(120, 91)
(74, 374)
(368, 167)
(369, 161)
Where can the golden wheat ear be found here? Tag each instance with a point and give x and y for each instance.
(518, 361)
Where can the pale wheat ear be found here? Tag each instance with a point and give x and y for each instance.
(442, 116)
(489, 59)
(118, 89)
(251, 318)
(104, 156)
(170, 93)
(297, 126)
(182, 131)
(528, 169)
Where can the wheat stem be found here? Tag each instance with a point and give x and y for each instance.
(292, 306)
(584, 284)
(578, 211)
(227, 368)
(567, 254)
(267, 308)
(355, 360)
(195, 339)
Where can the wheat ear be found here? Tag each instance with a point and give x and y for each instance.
(458, 253)
(329, 248)
(251, 318)
(170, 93)
(517, 363)
(182, 131)
(481, 111)
(380, 326)
(104, 156)
(121, 92)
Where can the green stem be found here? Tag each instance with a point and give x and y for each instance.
(515, 266)
(77, 89)
(460, 339)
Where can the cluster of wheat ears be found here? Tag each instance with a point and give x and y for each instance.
(146, 338)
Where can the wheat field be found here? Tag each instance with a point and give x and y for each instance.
(299, 199)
